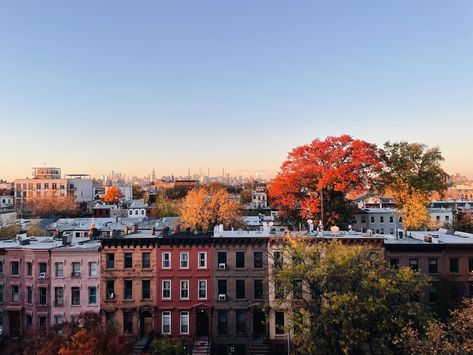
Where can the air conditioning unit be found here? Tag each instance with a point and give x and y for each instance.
(42, 275)
(222, 297)
(112, 296)
(222, 266)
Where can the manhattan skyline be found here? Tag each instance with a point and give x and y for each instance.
(93, 87)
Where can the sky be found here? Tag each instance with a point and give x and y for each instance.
(94, 86)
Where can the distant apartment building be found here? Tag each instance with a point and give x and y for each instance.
(378, 220)
(48, 182)
(259, 198)
(137, 209)
(7, 203)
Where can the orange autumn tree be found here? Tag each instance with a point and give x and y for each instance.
(113, 195)
(49, 204)
(330, 168)
(204, 208)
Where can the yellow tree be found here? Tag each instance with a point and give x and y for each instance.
(113, 195)
(202, 209)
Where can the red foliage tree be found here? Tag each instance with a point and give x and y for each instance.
(113, 195)
(330, 167)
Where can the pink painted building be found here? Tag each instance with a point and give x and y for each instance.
(75, 280)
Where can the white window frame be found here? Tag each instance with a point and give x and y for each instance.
(162, 290)
(183, 282)
(181, 260)
(163, 259)
(165, 314)
(198, 289)
(56, 264)
(90, 268)
(204, 260)
(184, 315)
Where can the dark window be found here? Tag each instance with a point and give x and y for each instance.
(222, 322)
(414, 264)
(433, 293)
(75, 293)
(92, 295)
(240, 259)
(58, 296)
(146, 289)
(258, 259)
(42, 268)
(42, 295)
(381, 219)
(222, 287)
(278, 290)
(128, 260)
(222, 257)
(145, 260)
(29, 294)
(394, 262)
(42, 322)
(470, 264)
(127, 322)
(128, 284)
(110, 289)
(15, 293)
(240, 289)
(29, 269)
(278, 260)
(391, 219)
(470, 289)
(240, 322)
(279, 322)
(259, 292)
(297, 289)
(454, 265)
(110, 261)
(433, 266)
(76, 269)
(15, 268)
(372, 219)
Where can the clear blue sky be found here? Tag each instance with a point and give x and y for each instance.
(92, 86)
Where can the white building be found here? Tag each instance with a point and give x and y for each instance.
(137, 209)
(6, 202)
(259, 198)
(441, 216)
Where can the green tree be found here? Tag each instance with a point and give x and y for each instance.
(412, 173)
(348, 302)
(171, 346)
(137, 192)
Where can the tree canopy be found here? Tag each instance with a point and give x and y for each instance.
(113, 195)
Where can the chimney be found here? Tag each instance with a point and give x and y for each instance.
(134, 228)
(153, 231)
(165, 232)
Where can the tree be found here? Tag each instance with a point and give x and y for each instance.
(203, 209)
(113, 195)
(412, 173)
(349, 304)
(171, 346)
(35, 230)
(49, 204)
(177, 192)
(138, 192)
(330, 169)
(455, 336)
(9, 228)
(165, 207)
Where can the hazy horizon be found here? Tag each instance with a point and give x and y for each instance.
(92, 86)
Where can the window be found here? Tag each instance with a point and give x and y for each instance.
(110, 288)
(29, 320)
(184, 322)
(46, 186)
(454, 265)
(470, 264)
(42, 322)
(259, 293)
(42, 295)
(202, 260)
(58, 320)
(278, 260)
(92, 269)
(184, 289)
(110, 261)
(15, 268)
(433, 266)
(145, 260)
(381, 219)
(166, 289)
(470, 289)
(279, 322)
(297, 289)
(258, 259)
(145, 289)
(278, 290)
(1, 267)
(372, 219)
(391, 219)
(222, 258)
(38, 186)
(128, 261)
(75, 269)
(59, 269)
(166, 260)
(29, 294)
(222, 322)
(222, 287)
(394, 262)
(29, 269)
(1, 294)
(92, 295)
(75, 296)
(128, 289)
(127, 322)
(166, 323)
(447, 218)
(43, 268)
(202, 289)
(433, 293)
(240, 259)
(240, 322)
(414, 264)
(184, 260)
(240, 289)
(58, 296)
